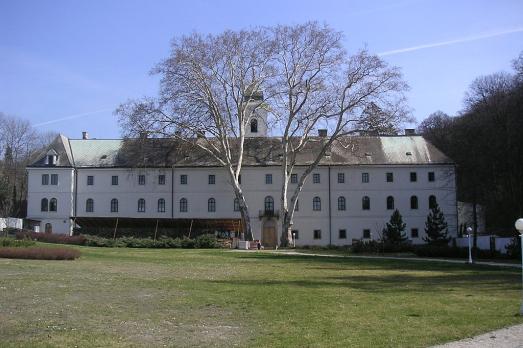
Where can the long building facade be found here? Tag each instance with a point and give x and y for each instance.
(349, 197)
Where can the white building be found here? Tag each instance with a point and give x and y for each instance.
(146, 183)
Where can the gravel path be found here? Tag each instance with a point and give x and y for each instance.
(509, 337)
(484, 263)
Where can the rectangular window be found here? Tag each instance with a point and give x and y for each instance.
(114, 180)
(365, 177)
(268, 179)
(212, 179)
(413, 177)
(294, 178)
(317, 234)
(45, 179)
(316, 178)
(366, 234)
(54, 179)
(161, 179)
(342, 234)
(432, 177)
(90, 180)
(295, 234)
(183, 179)
(414, 233)
(341, 178)
(141, 179)
(390, 177)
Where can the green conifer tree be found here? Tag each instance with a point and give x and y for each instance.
(394, 232)
(436, 227)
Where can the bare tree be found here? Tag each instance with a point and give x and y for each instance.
(320, 86)
(210, 87)
(18, 141)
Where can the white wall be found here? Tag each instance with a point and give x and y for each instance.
(63, 192)
(197, 191)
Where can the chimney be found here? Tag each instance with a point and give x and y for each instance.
(200, 135)
(322, 133)
(85, 135)
(410, 131)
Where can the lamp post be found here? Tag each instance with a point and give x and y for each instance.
(519, 227)
(294, 239)
(469, 231)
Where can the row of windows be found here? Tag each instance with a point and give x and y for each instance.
(342, 234)
(114, 180)
(268, 204)
(365, 177)
(316, 179)
(45, 179)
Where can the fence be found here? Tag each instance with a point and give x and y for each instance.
(486, 243)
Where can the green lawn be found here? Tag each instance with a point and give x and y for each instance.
(138, 297)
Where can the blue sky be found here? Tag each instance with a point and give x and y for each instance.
(66, 65)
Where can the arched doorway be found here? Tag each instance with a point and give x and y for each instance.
(269, 236)
(48, 228)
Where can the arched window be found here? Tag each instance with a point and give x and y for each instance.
(254, 125)
(342, 203)
(161, 205)
(365, 203)
(236, 204)
(413, 202)
(53, 204)
(89, 205)
(141, 205)
(211, 205)
(183, 205)
(269, 204)
(316, 204)
(390, 203)
(44, 204)
(114, 205)
(432, 202)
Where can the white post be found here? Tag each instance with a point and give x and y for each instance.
(519, 227)
(469, 230)
(294, 239)
(521, 308)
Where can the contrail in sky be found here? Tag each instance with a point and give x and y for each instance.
(452, 42)
(71, 117)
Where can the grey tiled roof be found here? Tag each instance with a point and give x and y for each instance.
(354, 150)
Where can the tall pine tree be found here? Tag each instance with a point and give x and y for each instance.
(436, 227)
(394, 232)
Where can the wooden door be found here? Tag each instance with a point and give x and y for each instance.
(269, 237)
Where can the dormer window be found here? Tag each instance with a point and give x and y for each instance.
(254, 125)
(51, 158)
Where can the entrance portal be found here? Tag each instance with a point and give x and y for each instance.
(269, 238)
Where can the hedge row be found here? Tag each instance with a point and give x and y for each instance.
(51, 238)
(14, 243)
(206, 241)
(34, 253)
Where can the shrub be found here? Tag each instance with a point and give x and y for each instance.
(14, 243)
(514, 248)
(374, 246)
(205, 241)
(188, 243)
(51, 238)
(34, 253)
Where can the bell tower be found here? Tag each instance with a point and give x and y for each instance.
(257, 125)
